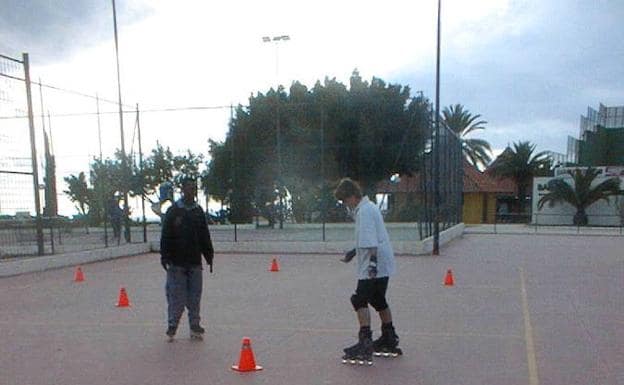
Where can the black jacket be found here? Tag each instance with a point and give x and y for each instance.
(185, 236)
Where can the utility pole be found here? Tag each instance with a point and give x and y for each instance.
(124, 161)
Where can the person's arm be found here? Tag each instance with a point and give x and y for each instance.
(166, 239)
(206, 241)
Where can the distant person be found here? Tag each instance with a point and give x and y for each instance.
(185, 237)
(375, 265)
(115, 213)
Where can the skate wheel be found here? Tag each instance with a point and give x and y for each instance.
(352, 362)
(344, 361)
(377, 354)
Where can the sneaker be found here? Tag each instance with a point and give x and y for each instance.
(171, 331)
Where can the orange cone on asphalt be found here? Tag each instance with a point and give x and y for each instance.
(78, 275)
(448, 280)
(274, 265)
(123, 298)
(246, 362)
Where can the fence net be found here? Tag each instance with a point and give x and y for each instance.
(273, 167)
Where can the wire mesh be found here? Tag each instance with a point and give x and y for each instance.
(267, 169)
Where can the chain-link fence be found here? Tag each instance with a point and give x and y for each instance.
(543, 224)
(267, 170)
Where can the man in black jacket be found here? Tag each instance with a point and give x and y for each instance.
(185, 237)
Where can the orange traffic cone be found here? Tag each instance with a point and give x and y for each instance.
(123, 298)
(274, 265)
(448, 280)
(78, 276)
(246, 363)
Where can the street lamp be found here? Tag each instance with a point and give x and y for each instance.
(277, 40)
(124, 161)
(436, 173)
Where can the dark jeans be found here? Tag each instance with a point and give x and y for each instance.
(184, 289)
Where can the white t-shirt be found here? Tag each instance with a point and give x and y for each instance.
(370, 232)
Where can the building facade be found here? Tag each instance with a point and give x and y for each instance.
(601, 138)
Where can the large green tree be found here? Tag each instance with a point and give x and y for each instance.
(580, 194)
(291, 144)
(78, 192)
(521, 163)
(462, 122)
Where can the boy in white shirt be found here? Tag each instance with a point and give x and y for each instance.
(375, 265)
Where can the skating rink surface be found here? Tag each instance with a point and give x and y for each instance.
(525, 309)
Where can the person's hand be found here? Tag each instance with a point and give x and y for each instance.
(165, 262)
(348, 256)
(209, 258)
(372, 270)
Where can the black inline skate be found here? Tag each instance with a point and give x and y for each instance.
(197, 332)
(387, 344)
(360, 353)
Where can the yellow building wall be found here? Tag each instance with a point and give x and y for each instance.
(479, 208)
(491, 208)
(473, 208)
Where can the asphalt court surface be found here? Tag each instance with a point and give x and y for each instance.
(525, 309)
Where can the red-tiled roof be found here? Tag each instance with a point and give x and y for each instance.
(477, 181)
(474, 181)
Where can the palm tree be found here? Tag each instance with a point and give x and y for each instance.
(581, 194)
(462, 122)
(521, 165)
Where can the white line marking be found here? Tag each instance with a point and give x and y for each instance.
(528, 333)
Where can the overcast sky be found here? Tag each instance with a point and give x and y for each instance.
(529, 68)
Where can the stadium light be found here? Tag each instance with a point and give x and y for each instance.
(276, 40)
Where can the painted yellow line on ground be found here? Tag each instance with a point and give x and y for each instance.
(528, 333)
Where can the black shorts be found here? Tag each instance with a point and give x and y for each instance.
(373, 292)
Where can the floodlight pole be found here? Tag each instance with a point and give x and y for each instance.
(124, 162)
(276, 40)
(436, 173)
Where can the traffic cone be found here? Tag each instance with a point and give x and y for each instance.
(246, 362)
(78, 276)
(448, 280)
(274, 265)
(123, 298)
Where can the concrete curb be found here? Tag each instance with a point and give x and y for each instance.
(37, 264)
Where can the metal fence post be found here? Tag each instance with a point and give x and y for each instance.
(33, 154)
(536, 220)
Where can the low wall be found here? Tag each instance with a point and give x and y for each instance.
(36, 264)
(18, 266)
(329, 247)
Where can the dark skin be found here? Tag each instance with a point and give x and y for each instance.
(189, 192)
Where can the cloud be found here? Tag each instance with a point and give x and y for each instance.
(535, 70)
(52, 30)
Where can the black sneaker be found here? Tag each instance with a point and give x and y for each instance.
(171, 331)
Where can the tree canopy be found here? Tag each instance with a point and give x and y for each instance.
(290, 143)
(462, 122)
